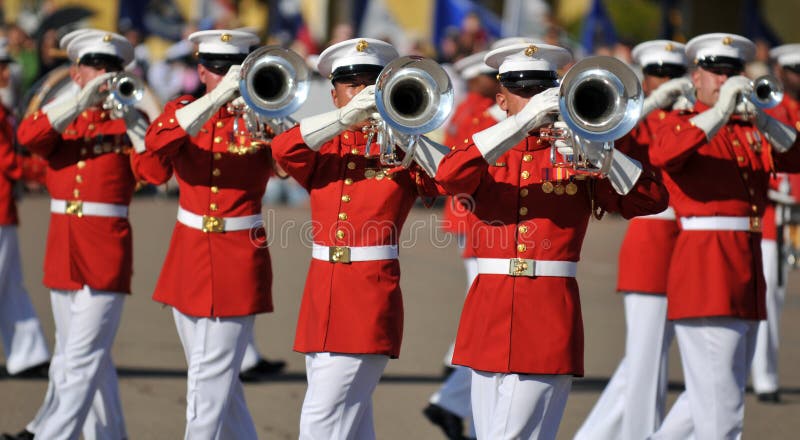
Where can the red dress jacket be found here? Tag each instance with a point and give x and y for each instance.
(13, 167)
(717, 273)
(529, 325)
(470, 117)
(214, 274)
(352, 308)
(788, 112)
(647, 247)
(92, 161)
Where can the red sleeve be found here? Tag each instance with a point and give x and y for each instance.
(151, 167)
(37, 135)
(165, 136)
(675, 141)
(8, 157)
(462, 170)
(648, 196)
(788, 162)
(293, 155)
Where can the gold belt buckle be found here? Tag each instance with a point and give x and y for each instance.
(339, 254)
(520, 267)
(74, 207)
(755, 224)
(213, 224)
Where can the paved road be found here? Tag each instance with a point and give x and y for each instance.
(152, 368)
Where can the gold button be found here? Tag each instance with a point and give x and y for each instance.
(171, 120)
(523, 192)
(354, 151)
(214, 189)
(736, 142)
(351, 165)
(342, 216)
(216, 172)
(523, 229)
(217, 156)
(523, 211)
(348, 181)
(740, 159)
(219, 124)
(744, 175)
(346, 198)
(340, 234)
(160, 124)
(527, 157)
(521, 248)
(754, 208)
(84, 151)
(526, 174)
(90, 127)
(81, 164)
(212, 206)
(346, 136)
(217, 139)
(79, 178)
(752, 192)
(76, 193)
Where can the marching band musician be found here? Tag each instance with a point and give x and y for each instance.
(450, 405)
(351, 314)
(633, 403)
(214, 276)
(520, 329)
(24, 344)
(715, 287)
(765, 359)
(91, 175)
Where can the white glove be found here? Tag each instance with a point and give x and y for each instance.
(564, 147)
(711, 120)
(319, 129)
(624, 172)
(779, 135)
(63, 113)
(136, 124)
(494, 141)
(194, 116)
(666, 94)
(683, 104)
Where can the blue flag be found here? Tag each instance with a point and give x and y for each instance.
(450, 13)
(597, 28)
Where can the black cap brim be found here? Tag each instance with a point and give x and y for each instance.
(344, 72)
(529, 78)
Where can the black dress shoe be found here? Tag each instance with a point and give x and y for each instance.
(263, 369)
(773, 397)
(447, 371)
(35, 372)
(22, 435)
(451, 424)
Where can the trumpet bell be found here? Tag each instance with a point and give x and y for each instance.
(126, 89)
(274, 81)
(414, 95)
(600, 98)
(767, 92)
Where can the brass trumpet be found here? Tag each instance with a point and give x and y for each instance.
(600, 100)
(413, 96)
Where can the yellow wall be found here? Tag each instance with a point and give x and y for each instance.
(414, 15)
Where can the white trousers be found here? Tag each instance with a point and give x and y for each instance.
(24, 344)
(215, 404)
(83, 394)
(716, 354)
(633, 403)
(338, 402)
(251, 354)
(765, 358)
(454, 394)
(518, 406)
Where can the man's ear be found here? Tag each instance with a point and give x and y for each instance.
(501, 101)
(335, 97)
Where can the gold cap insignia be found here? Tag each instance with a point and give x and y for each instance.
(531, 50)
(107, 38)
(727, 41)
(669, 47)
(225, 38)
(362, 45)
